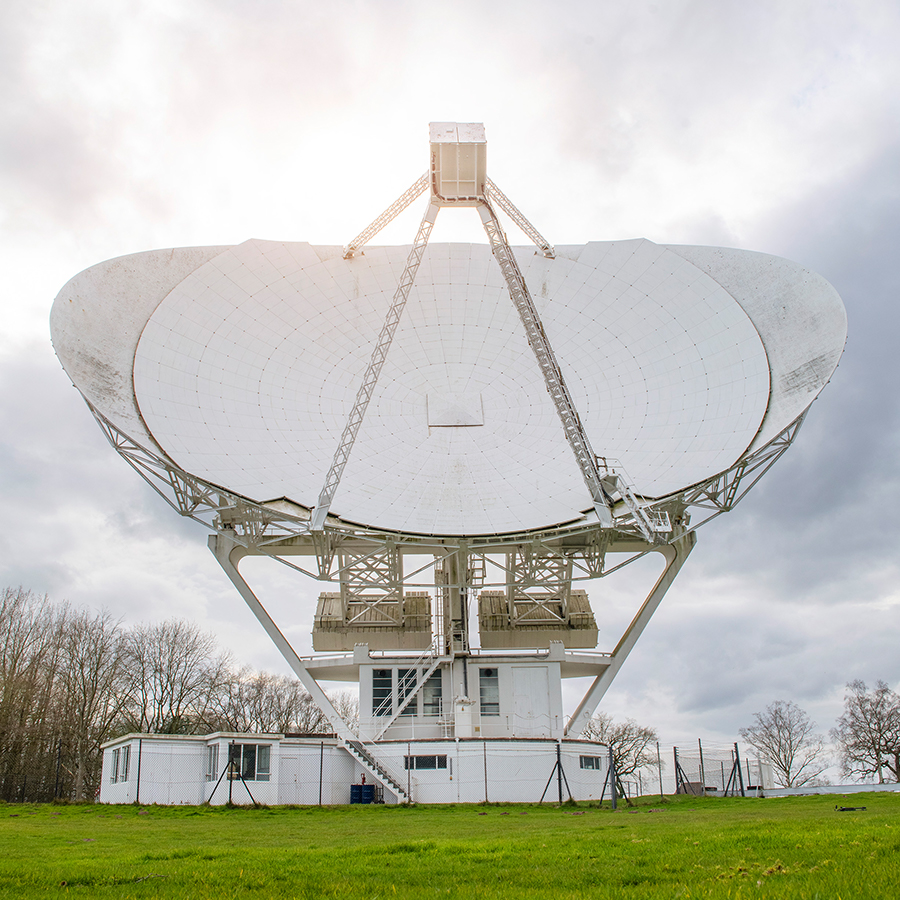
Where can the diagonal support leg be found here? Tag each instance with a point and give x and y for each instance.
(675, 553)
(228, 554)
(495, 195)
(418, 188)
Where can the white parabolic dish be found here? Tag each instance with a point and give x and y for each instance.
(241, 364)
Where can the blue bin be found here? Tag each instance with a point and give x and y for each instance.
(362, 793)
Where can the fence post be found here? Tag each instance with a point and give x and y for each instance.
(137, 795)
(58, 765)
(559, 771)
(484, 751)
(659, 769)
(612, 779)
(737, 763)
(321, 764)
(702, 770)
(231, 771)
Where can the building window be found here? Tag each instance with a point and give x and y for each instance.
(249, 761)
(425, 762)
(591, 762)
(121, 763)
(382, 691)
(406, 684)
(489, 691)
(212, 762)
(432, 695)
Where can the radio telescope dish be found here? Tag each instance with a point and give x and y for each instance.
(515, 414)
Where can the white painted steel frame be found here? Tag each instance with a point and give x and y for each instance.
(543, 352)
(402, 202)
(675, 553)
(228, 554)
(243, 527)
(263, 527)
(379, 354)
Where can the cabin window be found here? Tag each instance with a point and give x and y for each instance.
(382, 692)
(212, 762)
(121, 763)
(406, 684)
(251, 762)
(432, 695)
(425, 762)
(489, 692)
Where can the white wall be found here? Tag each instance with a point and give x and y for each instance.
(173, 771)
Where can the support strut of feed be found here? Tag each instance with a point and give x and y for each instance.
(553, 377)
(495, 195)
(457, 177)
(379, 354)
(416, 190)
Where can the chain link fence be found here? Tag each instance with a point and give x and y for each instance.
(51, 772)
(186, 769)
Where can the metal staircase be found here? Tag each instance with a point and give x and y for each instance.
(376, 769)
(430, 659)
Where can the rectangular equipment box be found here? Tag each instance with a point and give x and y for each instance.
(458, 162)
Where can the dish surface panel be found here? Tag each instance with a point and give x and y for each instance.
(245, 374)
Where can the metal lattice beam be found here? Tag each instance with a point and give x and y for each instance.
(553, 377)
(388, 216)
(370, 379)
(494, 194)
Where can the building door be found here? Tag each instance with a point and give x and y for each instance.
(531, 701)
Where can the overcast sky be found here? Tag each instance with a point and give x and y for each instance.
(770, 126)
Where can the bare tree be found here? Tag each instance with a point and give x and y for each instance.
(71, 679)
(173, 671)
(868, 733)
(346, 705)
(31, 631)
(784, 737)
(260, 701)
(274, 704)
(91, 680)
(631, 744)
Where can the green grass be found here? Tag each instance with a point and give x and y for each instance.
(686, 847)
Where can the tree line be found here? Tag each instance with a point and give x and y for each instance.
(866, 738)
(865, 743)
(71, 680)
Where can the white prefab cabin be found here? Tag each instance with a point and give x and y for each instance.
(275, 769)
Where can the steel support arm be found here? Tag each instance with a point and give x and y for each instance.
(675, 553)
(388, 216)
(553, 377)
(228, 554)
(367, 388)
(494, 194)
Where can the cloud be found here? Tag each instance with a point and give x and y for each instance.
(771, 126)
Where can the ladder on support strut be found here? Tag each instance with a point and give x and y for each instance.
(602, 485)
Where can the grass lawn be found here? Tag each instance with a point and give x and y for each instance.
(686, 847)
